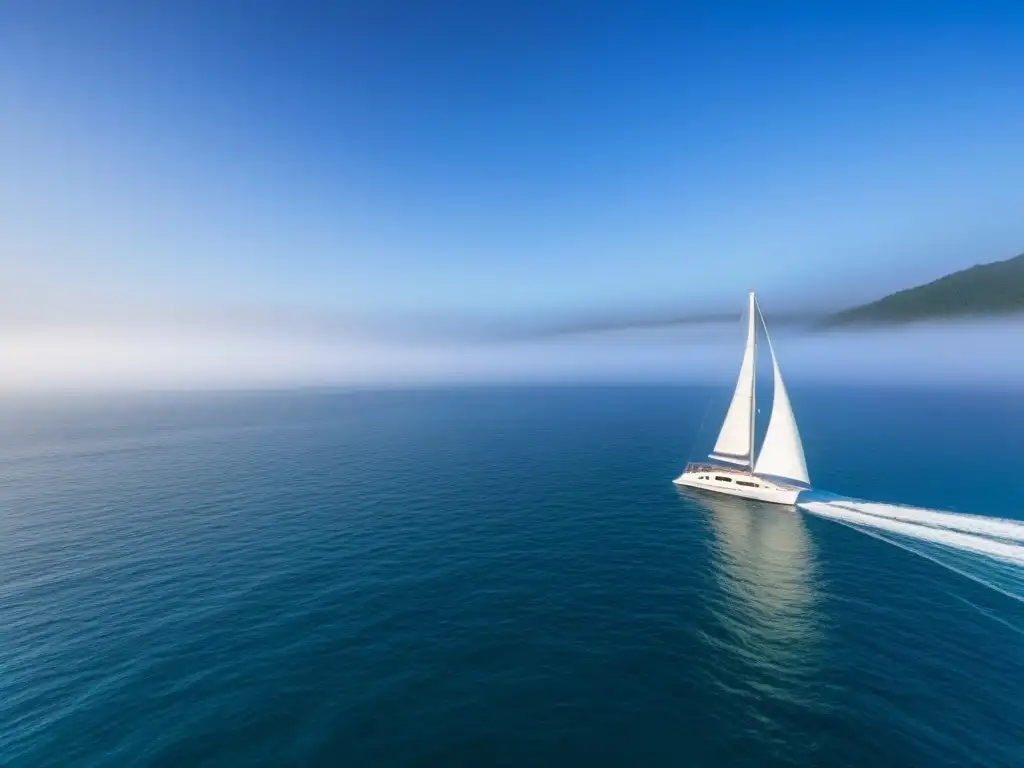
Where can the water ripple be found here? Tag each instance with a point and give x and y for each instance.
(461, 578)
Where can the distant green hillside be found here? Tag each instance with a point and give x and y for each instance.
(980, 291)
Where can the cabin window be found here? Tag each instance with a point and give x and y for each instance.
(747, 482)
(723, 479)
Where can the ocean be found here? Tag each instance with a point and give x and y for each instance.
(498, 576)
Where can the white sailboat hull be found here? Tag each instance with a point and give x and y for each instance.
(737, 482)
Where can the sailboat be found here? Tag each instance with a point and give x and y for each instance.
(778, 473)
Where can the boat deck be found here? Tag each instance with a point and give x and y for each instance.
(739, 472)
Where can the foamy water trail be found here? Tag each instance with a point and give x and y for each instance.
(1011, 530)
(1004, 577)
(955, 539)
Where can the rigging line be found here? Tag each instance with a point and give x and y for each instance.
(700, 429)
(771, 349)
(707, 409)
(767, 336)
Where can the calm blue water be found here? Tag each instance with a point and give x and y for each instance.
(492, 577)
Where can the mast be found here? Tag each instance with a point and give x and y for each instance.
(752, 334)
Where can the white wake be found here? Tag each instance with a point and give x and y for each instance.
(984, 549)
(896, 519)
(996, 527)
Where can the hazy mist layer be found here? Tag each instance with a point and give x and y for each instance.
(206, 352)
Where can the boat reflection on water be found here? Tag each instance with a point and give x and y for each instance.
(767, 625)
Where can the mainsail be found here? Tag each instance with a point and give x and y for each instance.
(735, 442)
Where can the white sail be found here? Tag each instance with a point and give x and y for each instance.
(779, 475)
(735, 442)
(782, 454)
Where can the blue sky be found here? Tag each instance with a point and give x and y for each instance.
(521, 160)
